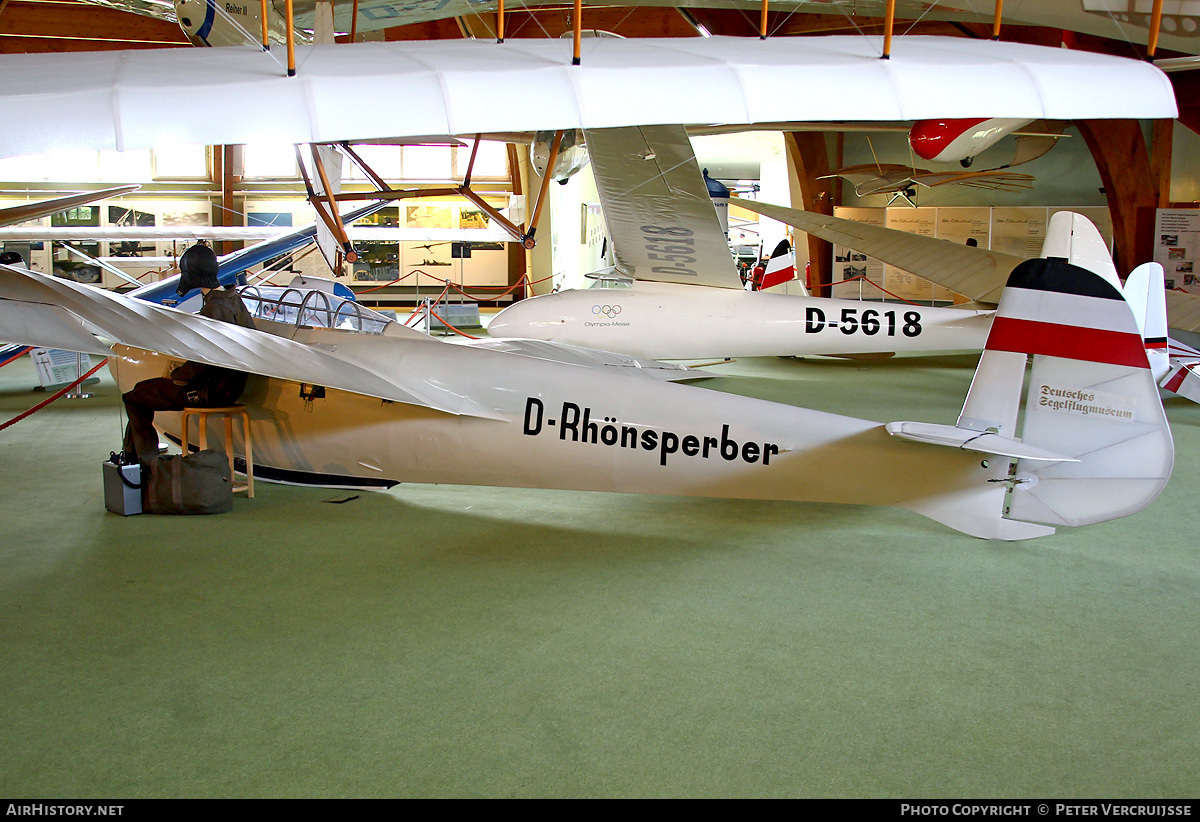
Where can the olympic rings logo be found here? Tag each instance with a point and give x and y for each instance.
(609, 311)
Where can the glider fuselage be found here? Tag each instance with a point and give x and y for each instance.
(552, 425)
(672, 321)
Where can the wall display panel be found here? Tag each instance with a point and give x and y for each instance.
(429, 264)
(1018, 230)
(961, 225)
(1177, 246)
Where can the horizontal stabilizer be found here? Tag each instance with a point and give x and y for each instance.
(968, 440)
(1183, 380)
(975, 273)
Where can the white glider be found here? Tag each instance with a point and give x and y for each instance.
(401, 407)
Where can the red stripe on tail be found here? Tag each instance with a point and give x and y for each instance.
(778, 276)
(1176, 381)
(1069, 341)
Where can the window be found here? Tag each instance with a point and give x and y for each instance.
(185, 162)
(269, 161)
(88, 215)
(269, 218)
(491, 162)
(428, 162)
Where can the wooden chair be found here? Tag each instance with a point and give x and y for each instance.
(229, 412)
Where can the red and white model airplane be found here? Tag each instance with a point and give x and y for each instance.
(950, 141)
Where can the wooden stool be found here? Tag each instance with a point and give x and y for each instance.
(228, 412)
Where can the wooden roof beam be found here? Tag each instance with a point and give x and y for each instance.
(44, 20)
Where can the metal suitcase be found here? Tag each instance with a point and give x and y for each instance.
(119, 497)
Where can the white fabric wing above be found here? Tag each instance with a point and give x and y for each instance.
(145, 98)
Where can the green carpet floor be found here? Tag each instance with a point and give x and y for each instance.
(459, 641)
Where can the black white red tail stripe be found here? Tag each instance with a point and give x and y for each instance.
(1053, 308)
(779, 268)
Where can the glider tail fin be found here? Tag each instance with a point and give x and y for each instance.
(1145, 291)
(1091, 397)
(1094, 443)
(780, 268)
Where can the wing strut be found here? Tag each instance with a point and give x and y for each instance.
(528, 240)
(323, 203)
(461, 190)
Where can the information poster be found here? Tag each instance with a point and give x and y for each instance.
(1019, 231)
(56, 368)
(958, 225)
(1177, 246)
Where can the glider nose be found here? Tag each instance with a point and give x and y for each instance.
(507, 323)
(528, 319)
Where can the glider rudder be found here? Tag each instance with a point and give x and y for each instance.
(1092, 395)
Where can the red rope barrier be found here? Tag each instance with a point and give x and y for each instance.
(49, 400)
(507, 289)
(393, 282)
(452, 328)
(523, 280)
(869, 282)
(416, 311)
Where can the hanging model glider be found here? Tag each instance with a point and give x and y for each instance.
(955, 140)
(402, 407)
(949, 141)
(893, 178)
(684, 298)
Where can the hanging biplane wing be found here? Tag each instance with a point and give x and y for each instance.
(215, 22)
(466, 87)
